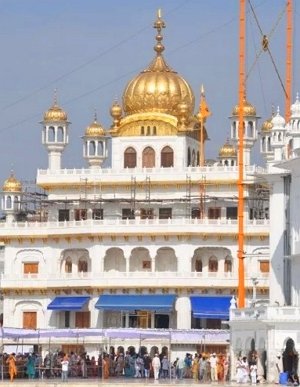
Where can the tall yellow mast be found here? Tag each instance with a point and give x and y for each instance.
(242, 94)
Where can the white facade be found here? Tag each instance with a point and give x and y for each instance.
(155, 223)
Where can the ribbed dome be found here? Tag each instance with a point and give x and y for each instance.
(158, 88)
(295, 108)
(278, 121)
(55, 114)
(249, 109)
(12, 184)
(227, 150)
(94, 129)
(267, 126)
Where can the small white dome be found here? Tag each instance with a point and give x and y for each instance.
(295, 108)
(278, 121)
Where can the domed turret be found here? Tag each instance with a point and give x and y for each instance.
(55, 134)
(227, 150)
(12, 185)
(228, 154)
(158, 88)
(265, 138)
(248, 108)
(278, 136)
(94, 129)
(55, 113)
(94, 146)
(267, 126)
(250, 128)
(11, 197)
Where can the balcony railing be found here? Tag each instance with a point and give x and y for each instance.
(114, 278)
(135, 222)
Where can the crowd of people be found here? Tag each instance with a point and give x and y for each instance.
(201, 367)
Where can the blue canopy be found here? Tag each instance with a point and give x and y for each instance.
(211, 307)
(126, 302)
(68, 303)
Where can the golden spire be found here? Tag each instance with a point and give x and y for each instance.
(159, 24)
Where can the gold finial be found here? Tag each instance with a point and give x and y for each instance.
(159, 24)
(95, 115)
(202, 90)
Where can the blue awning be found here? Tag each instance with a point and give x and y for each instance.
(68, 303)
(126, 302)
(211, 307)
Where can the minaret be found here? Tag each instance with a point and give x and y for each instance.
(294, 128)
(95, 144)
(278, 136)
(11, 198)
(250, 128)
(265, 139)
(55, 134)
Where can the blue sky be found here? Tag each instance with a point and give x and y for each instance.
(90, 49)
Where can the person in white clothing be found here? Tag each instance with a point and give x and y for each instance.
(156, 366)
(213, 360)
(64, 368)
(242, 370)
(253, 373)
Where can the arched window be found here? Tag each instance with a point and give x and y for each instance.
(226, 163)
(8, 202)
(92, 148)
(213, 265)
(154, 131)
(100, 148)
(130, 158)
(82, 266)
(198, 159)
(234, 130)
(60, 134)
(198, 266)
(148, 158)
(16, 203)
(148, 131)
(263, 144)
(269, 149)
(51, 134)
(68, 265)
(232, 163)
(193, 157)
(251, 129)
(167, 157)
(189, 157)
(227, 265)
(142, 131)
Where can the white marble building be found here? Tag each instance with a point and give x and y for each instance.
(273, 328)
(155, 225)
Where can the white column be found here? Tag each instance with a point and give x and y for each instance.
(277, 228)
(183, 309)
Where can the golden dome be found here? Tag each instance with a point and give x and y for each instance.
(267, 126)
(55, 113)
(249, 109)
(94, 129)
(227, 150)
(158, 88)
(12, 184)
